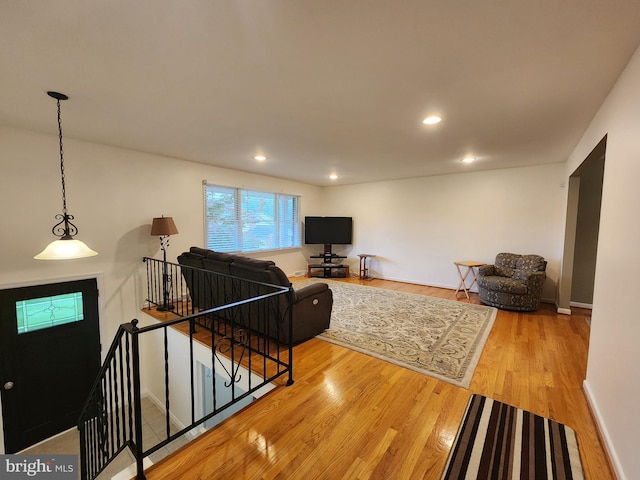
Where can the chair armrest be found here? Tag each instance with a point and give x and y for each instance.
(487, 270)
(531, 279)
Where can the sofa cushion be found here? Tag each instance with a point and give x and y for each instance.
(504, 271)
(503, 284)
(216, 266)
(199, 251)
(252, 271)
(281, 277)
(253, 263)
(218, 262)
(509, 260)
(531, 262)
(220, 256)
(191, 259)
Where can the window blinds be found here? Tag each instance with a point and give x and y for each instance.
(238, 220)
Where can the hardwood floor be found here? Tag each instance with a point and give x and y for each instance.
(349, 415)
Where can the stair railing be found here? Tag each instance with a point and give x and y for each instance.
(111, 419)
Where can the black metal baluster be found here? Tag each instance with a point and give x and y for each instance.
(191, 372)
(104, 427)
(148, 266)
(83, 450)
(111, 407)
(291, 295)
(123, 432)
(166, 381)
(135, 347)
(130, 403)
(92, 447)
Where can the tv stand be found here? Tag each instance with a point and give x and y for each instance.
(327, 268)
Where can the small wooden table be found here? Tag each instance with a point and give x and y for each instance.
(470, 264)
(364, 271)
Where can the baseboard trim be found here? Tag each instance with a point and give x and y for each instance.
(581, 305)
(610, 451)
(414, 282)
(564, 311)
(474, 289)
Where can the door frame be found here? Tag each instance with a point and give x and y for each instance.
(101, 314)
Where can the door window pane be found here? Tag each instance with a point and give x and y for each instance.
(46, 312)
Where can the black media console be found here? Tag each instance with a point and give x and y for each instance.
(328, 269)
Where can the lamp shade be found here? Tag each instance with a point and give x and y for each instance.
(163, 226)
(65, 249)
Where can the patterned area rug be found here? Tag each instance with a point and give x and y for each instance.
(440, 338)
(502, 442)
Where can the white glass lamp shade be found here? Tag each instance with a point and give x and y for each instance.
(65, 249)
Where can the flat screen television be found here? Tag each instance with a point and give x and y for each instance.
(328, 230)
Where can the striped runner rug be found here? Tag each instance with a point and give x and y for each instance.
(499, 442)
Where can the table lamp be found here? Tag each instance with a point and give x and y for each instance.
(164, 227)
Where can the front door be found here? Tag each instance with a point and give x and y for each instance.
(49, 358)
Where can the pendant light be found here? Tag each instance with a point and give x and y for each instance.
(67, 247)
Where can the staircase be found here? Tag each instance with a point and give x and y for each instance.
(111, 420)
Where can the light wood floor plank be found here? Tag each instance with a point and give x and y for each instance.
(352, 416)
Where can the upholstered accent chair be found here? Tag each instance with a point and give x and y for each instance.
(513, 282)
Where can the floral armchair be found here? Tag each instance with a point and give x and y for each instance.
(514, 282)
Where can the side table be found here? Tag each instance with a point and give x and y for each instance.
(364, 270)
(470, 264)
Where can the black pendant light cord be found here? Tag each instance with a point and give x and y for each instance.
(64, 229)
(64, 193)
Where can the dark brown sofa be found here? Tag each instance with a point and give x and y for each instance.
(311, 304)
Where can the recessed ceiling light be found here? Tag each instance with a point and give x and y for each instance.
(432, 120)
(260, 158)
(468, 159)
(333, 176)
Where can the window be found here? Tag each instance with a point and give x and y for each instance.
(238, 220)
(45, 312)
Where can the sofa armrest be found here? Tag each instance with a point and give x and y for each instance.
(487, 270)
(312, 307)
(309, 291)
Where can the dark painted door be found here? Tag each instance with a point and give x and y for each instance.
(49, 358)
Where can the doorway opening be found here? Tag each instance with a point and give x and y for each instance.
(581, 232)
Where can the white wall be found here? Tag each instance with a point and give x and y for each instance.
(613, 378)
(419, 227)
(113, 194)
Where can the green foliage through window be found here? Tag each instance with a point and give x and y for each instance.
(238, 220)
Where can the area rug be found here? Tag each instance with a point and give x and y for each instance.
(438, 337)
(502, 442)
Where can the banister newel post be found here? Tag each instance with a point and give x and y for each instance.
(137, 400)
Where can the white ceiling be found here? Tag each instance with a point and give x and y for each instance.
(318, 86)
